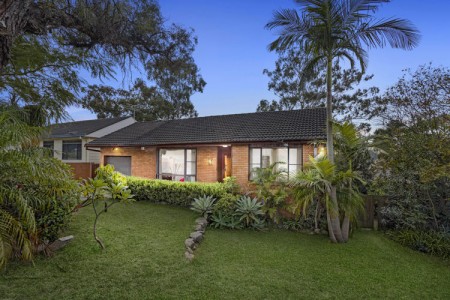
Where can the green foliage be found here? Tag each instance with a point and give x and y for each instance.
(226, 204)
(102, 194)
(110, 176)
(285, 80)
(173, 192)
(41, 57)
(36, 191)
(228, 221)
(203, 205)
(270, 186)
(431, 242)
(250, 212)
(231, 185)
(145, 103)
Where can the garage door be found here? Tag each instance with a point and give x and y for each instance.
(121, 164)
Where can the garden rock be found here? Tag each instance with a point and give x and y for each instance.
(197, 236)
(190, 243)
(189, 256)
(200, 228)
(201, 221)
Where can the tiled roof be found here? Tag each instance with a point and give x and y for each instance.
(80, 128)
(279, 126)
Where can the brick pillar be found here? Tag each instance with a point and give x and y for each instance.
(308, 150)
(207, 164)
(239, 161)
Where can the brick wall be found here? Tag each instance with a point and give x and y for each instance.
(239, 156)
(143, 162)
(207, 172)
(308, 150)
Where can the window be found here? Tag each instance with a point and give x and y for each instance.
(290, 159)
(177, 164)
(71, 150)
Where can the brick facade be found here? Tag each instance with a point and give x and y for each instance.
(143, 162)
(239, 156)
(207, 164)
(308, 150)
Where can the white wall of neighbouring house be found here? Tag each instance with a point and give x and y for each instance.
(114, 127)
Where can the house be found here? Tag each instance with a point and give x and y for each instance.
(68, 140)
(208, 149)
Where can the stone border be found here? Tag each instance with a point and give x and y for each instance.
(195, 238)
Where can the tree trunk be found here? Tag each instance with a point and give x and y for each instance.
(99, 241)
(334, 213)
(330, 229)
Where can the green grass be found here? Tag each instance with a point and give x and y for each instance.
(145, 259)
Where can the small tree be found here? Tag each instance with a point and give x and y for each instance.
(105, 190)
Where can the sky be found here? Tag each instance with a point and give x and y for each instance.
(232, 48)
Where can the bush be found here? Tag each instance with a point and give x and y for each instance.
(55, 216)
(431, 242)
(203, 205)
(231, 185)
(227, 204)
(173, 192)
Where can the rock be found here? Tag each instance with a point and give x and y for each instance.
(59, 243)
(189, 256)
(200, 227)
(190, 243)
(196, 236)
(202, 221)
(190, 250)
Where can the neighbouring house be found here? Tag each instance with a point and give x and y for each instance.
(208, 149)
(68, 140)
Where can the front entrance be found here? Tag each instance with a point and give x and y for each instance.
(223, 163)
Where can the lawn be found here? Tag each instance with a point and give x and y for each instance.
(145, 259)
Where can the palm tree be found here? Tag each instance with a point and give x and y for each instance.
(328, 30)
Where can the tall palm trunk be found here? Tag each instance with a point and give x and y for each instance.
(334, 221)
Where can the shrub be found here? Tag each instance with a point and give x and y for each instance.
(231, 185)
(110, 176)
(226, 204)
(173, 192)
(220, 220)
(431, 242)
(250, 212)
(203, 205)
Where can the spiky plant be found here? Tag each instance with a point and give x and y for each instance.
(204, 205)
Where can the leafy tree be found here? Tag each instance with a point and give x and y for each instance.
(95, 35)
(285, 82)
(105, 190)
(328, 30)
(412, 170)
(143, 102)
(312, 186)
(37, 192)
(418, 95)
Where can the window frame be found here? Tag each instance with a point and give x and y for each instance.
(250, 163)
(159, 174)
(68, 142)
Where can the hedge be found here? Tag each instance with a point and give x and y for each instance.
(173, 192)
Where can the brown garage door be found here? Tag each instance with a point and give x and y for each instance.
(121, 164)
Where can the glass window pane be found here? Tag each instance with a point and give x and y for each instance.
(295, 156)
(71, 150)
(293, 169)
(191, 155)
(190, 168)
(280, 155)
(267, 158)
(171, 162)
(255, 156)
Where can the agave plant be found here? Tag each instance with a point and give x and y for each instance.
(249, 210)
(203, 205)
(219, 220)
